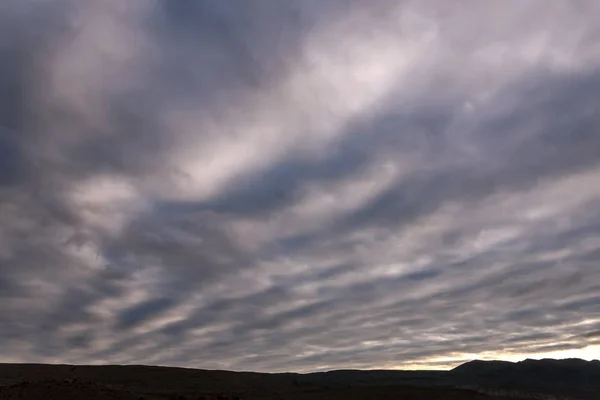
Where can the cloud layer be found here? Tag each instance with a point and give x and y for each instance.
(299, 185)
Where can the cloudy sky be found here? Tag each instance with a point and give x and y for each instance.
(299, 185)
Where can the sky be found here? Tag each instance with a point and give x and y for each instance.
(299, 185)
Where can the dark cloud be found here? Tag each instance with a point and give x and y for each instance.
(142, 312)
(592, 334)
(302, 185)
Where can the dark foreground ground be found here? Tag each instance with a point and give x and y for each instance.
(547, 379)
(54, 390)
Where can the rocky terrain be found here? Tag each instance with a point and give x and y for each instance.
(544, 379)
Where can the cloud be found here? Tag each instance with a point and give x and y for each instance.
(298, 186)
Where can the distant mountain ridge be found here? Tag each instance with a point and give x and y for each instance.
(545, 375)
(530, 363)
(536, 379)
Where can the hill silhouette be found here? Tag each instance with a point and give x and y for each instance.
(540, 379)
(544, 374)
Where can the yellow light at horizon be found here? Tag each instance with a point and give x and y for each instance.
(588, 353)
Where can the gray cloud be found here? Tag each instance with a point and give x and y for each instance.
(298, 186)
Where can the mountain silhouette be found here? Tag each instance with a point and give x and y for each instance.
(533, 379)
(544, 374)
